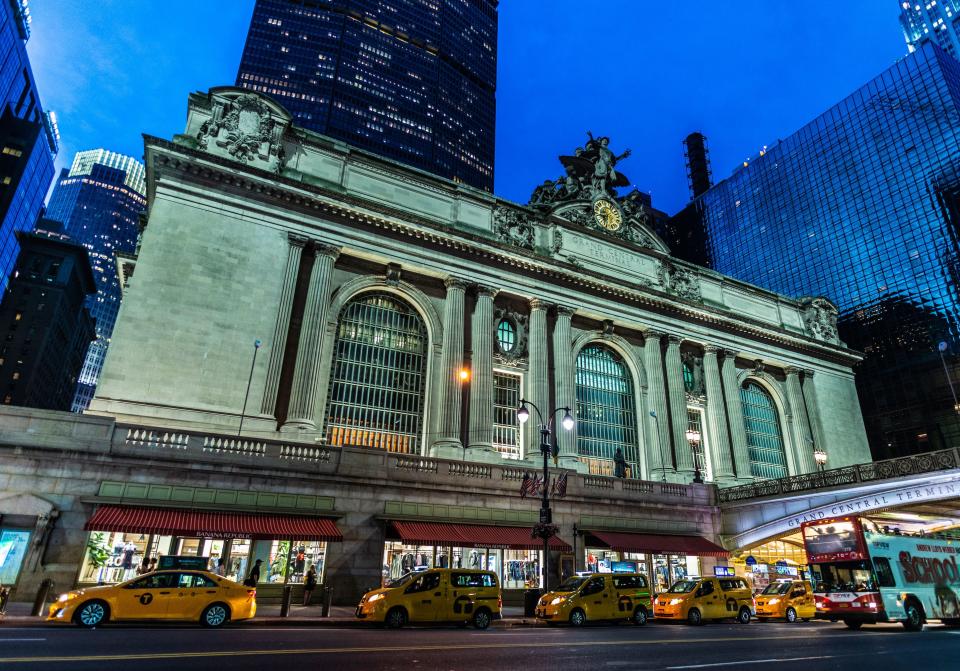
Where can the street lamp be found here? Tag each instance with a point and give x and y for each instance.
(548, 447)
(256, 348)
(820, 457)
(663, 463)
(693, 439)
(942, 347)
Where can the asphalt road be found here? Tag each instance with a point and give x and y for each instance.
(806, 646)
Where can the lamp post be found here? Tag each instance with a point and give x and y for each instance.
(246, 397)
(663, 464)
(941, 348)
(693, 439)
(548, 446)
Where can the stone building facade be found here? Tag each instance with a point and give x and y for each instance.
(399, 319)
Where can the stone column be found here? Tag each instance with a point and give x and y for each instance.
(565, 391)
(306, 374)
(451, 361)
(738, 432)
(813, 412)
(659, 450)
(538, 375)
(802, 438)
(268, 404)
(481, 384)
(682, 455)
(717, 435)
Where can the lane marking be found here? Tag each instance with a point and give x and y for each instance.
(20, 640)
(753, 661)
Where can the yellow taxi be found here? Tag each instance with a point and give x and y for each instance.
(435, 595)
(787, 599)
(597, 596)
(698, 599)
(200, 596)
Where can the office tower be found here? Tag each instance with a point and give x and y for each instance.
(936, 21)
(699, 175)
(45, 327)
(28, 136)
(861, 205)
(99, 200)
(410, 80)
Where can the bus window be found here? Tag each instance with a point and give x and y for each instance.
(844, 577)
(884, 572)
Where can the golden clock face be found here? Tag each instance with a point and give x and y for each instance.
(607, 214)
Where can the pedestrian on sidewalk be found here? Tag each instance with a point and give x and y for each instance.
(254, 576)
(309, 584)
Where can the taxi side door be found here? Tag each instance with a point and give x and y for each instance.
(710, 599)
(462, 594)
(192, 594)
(595, 598)
(802, 600)
(424, 597)
(147, 598)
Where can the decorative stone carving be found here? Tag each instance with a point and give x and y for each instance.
(513, 227)
(244, 128)
(820, 318)
(681, 282)
(557, 242)
(516, 357)
(696, 393)
(607, 328)
(758, 367)
(392, 276)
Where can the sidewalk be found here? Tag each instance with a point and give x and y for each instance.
(18, 615)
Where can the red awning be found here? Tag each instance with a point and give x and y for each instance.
(472, 536)
(659, 544)
(212, 524)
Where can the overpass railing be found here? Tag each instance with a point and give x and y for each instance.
(846, 475)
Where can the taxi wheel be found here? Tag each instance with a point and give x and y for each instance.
(743, 617)
(481, 619)
(91, 614)
(396, 618)
(640, 616)
(214, 615)
(578, 617)
(791, 615)
(694, 617)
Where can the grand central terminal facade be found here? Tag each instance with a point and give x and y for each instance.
(320, 355)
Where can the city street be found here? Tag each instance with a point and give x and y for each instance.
(806, 646)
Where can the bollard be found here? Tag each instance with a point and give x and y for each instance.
(327, 598)
(287, 597)
(42, 592)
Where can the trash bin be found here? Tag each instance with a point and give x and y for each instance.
(530, 599)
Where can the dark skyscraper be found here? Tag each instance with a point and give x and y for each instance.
(862, 205)
(411, 80)
(28, 137)
(99, 201)
(44, 324)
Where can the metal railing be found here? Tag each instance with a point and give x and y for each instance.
(847, 475)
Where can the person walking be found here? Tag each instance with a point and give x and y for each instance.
(309, 584)
(254, 577)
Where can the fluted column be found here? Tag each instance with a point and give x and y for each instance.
(682, 455)
(802, 438)
(268, 404)
(537, 379)
(717, 434)
(813, 411)
(565, 390)
(451, 361)
(659, 450)
(738, 432)
(481, 385)
(306, 374)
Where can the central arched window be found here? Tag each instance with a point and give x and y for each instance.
(606, 410)
(378, 375)
(768, 458)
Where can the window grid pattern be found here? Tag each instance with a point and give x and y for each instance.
(506, 336)
(768, 458)
(506, 400)
(606, 410)
(695, 425)
(688, 380)
(379, 375)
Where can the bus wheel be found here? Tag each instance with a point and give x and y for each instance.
(914, 621)
(853, 624)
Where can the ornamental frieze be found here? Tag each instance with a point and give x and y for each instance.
(242, 126)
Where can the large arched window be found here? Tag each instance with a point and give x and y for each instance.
(606, 410)
(378, 375)
(768, 458)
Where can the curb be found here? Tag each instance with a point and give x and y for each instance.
(273, 621)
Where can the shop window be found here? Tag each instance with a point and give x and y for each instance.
(768, 458)
(606, 410)
(378, 376)
(506, 400)
(13, 548)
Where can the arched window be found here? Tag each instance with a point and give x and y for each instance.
(768, 458)
(378, 375)
(606, 410)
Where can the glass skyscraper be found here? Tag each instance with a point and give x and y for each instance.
(411, 80)
(28, 137)
(861, 205)
(99, 201)
(936, 20)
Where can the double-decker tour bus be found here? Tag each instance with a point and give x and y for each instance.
(861, 574)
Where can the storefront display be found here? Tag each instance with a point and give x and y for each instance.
(13, 548)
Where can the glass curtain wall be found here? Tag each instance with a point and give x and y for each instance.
(768, 458)
(606, 410)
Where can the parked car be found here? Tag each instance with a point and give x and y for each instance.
(790, 600)
(600, 596)
(699, 599)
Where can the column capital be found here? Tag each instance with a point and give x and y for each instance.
(652, 334)
(674, 339)
(565, 311)
(711, 349)
(791, 370)
(297, 240)
(729, 353)
(452, 282)
(539, 304)
(808, 372)
(322, 249)
(484, 290)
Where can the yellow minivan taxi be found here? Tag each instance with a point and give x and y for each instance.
(699, 599)
(435, 595)
(599, 596)
(200, 596)
(787, 599)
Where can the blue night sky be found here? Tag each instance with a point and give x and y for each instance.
(645, 73)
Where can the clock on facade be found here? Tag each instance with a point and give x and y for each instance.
(607, 214)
